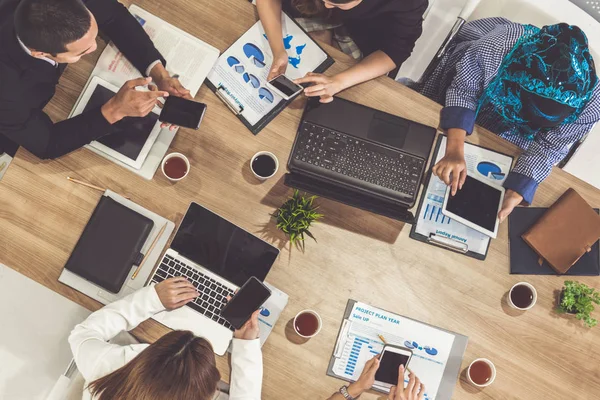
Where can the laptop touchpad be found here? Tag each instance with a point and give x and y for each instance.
(386, 130)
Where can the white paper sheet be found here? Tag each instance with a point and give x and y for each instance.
(481, 162)
(245, 79)
(359, 342)
(186, 55)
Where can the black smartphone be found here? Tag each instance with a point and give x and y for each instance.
(390, 360)
(247, 300)
(182, 112)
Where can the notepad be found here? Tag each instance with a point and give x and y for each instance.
(110, 245)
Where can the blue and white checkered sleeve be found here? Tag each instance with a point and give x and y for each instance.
(474, 71)
(536, 163)
(548, 148)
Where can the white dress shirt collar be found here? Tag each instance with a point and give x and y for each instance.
(52, 62)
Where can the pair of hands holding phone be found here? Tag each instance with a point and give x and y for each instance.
(177, 292)
(415, 390)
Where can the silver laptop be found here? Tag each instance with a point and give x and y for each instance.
(218, 257)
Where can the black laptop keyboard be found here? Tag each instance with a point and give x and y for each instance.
(213, 294)
(338, 155)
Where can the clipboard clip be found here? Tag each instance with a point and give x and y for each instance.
(224, 95)
(448, 243)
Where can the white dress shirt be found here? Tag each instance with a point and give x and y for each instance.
(96, 358)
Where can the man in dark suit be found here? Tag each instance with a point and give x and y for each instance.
(38, 38)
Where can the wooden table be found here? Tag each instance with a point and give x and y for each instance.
(359, 255)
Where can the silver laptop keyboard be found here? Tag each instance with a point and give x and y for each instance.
(213, 295)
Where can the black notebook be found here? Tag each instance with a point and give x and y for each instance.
(110, 245)
(523, 260)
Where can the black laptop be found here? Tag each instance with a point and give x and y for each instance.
(360, 156)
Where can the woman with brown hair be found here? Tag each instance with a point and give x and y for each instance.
(382, 33)
(177, 366)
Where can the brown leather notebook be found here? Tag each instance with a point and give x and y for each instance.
(565, 232)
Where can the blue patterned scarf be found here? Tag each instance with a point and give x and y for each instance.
(546, 80)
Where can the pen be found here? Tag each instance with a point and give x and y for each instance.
(149, 251)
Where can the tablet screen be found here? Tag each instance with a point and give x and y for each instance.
(477, 203)
(130, 133)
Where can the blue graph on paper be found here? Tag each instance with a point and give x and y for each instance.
(355, 354)
(295, 56)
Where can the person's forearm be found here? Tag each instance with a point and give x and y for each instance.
(269, 12)
(370, 67)
(456, 141)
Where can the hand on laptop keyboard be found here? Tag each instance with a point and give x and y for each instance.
(176, 292)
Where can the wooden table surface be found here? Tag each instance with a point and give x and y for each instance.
(359, 255)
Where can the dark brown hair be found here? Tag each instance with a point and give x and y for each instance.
(312, 8)
(177, 366)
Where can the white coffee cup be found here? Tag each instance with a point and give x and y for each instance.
(534, 300)
(264, 153)
(319, 323)
(175, 155)
(491, 365)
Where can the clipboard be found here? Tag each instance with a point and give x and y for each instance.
(227, 96)
(441, 241)
(453, 365)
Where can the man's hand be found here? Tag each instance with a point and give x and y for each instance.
(279, 65)
(323, 86)
(452, 170)
(175, 292)
(129, 102)
(366, 379)
(165, 82)
(511, 200)
(250, 330)
(414, 391)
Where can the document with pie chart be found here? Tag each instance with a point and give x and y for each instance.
(241, 72)
(483, 163)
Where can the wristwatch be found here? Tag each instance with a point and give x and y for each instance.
(344, 392)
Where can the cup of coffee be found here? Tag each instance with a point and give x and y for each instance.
(175, 166)
(522, 296)
(307, 323)
(481, 372)
(264, 165)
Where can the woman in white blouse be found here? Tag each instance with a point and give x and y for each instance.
(177, 366)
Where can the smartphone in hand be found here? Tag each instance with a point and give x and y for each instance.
(182, 112)
(391, 359)
(248, 299)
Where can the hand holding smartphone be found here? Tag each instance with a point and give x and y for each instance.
(391, 359)
(284, 87)
(182, 112)
(245, 302)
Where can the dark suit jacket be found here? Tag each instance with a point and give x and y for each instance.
(27, 84)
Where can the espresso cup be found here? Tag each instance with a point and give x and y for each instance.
(175, 166)
(522, 296)
(481, 372)
(307, 323)
(264, 165)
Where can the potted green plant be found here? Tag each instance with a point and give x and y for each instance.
(295, 217)
(579, 299)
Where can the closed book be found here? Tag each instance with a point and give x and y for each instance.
(110, 245)
(565, 232)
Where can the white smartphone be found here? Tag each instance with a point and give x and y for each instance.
(391, 359)
(284, 86)
(476, 205)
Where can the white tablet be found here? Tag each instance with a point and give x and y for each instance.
(476, 205)
(132, 138)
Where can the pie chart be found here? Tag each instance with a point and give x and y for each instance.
(490, 170)
(251, 50)
(266, 95)
(232, 61)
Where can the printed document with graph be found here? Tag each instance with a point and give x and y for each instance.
(482, 163)
(359, 341)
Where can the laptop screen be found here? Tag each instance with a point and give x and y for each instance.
(221, 247)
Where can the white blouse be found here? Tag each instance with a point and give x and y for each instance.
(96, 358)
